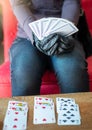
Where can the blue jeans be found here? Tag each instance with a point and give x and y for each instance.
(28, 66)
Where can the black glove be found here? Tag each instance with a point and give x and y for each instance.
(54, 44)
(65, 44)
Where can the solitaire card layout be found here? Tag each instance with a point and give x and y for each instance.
(64, 112)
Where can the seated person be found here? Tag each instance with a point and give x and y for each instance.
(28, 63)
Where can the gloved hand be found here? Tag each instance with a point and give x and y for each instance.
(65, 44)
(47, 45)
(54, 44)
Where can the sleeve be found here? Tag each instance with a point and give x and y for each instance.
(23, 15)
(71, 10)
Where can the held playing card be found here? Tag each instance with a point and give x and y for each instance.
(50, 24)
(56, 25)
(46, 26)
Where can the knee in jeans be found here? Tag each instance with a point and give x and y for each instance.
(19, 72)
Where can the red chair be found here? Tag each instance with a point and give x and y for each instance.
(49, 83)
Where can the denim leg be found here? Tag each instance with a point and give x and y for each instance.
(71, 70)
(27, 68)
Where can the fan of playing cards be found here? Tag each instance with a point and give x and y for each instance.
(46, 26)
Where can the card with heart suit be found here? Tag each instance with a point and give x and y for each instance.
(44, 111)
(16, 120)
(17, 106)
(16, 116)
(43, 100)
(46, 26)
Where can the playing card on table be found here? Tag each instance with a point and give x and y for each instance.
(68, 111)
(16, 116)
(16, 120)
(61, 101)
(17, 106)
(44, 112)
(68, 118)
(42, 100)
